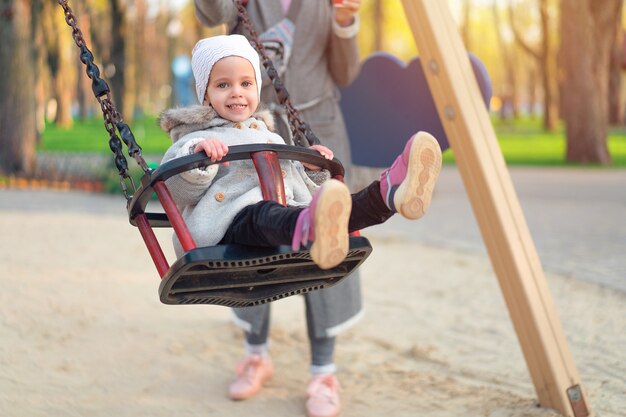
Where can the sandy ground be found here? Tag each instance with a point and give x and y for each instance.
(83, 333)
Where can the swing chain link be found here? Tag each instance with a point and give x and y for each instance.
(301, 131)
(112, 118)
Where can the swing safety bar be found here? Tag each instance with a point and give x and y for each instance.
(235, 275)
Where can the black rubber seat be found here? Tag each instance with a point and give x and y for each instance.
(243, 276)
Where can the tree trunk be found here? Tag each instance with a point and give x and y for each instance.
(532, 91)
(18, 132)
(65, 81)
(548, 67)
(379, 18)
(465, 24)
(510, 105)
(587, 34)
(546, 62)
(39, 58)
(616, 109)
(118, 54)
(84, 94)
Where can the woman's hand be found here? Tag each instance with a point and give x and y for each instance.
(345, 10)
(214, 148)
(324, 151)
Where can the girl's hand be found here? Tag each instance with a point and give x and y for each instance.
(324, 151)
(345, 10)
(214, 148)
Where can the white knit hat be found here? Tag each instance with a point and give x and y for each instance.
(210, 50)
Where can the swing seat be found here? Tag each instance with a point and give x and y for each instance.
(243, 276)
(236, 275)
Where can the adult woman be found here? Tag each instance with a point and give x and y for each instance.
(316, 45)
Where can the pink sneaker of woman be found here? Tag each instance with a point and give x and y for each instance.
(252, 372)
(323, 396)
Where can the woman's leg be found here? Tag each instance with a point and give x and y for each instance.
(323, 389)
(256, 367)
(256, 343)
(322, 348)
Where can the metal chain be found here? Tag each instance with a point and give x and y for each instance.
(301, 131)
(112, 118)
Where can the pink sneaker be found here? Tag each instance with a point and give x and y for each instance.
(323, 396)
(325, 223)
(407, 187)
(252, 372)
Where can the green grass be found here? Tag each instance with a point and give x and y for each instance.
(90, 136)
(523, 141)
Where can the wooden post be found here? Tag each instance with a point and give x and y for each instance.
(496, 207)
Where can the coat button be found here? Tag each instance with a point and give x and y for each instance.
(253, 125)
(219, 196)
(238, 125)
(284, 173)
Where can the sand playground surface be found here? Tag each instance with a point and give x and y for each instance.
(83, 333)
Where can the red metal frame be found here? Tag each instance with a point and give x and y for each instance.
(152, 244)
(270, 176)
(174, 216)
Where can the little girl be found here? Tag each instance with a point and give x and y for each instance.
(223, 203)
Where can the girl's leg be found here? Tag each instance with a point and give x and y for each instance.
(266, 223)
(406, 187)
(368, 208)
(324, 224)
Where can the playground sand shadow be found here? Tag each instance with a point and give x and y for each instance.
(83, 333)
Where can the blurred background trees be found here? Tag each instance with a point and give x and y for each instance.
(561, 60)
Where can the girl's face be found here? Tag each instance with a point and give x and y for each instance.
(232, 89)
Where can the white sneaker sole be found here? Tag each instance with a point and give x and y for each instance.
(413, 197)
(332, 214)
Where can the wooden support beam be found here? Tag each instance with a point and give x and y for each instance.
(496, 207)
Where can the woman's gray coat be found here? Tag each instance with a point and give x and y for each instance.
(320, 61)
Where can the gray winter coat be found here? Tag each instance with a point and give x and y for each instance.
(210, 199)
(320, 61)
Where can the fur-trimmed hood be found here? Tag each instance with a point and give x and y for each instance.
(178, 122)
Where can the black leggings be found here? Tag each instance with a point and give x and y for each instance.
(268, 223)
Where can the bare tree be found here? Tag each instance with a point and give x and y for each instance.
(118, 54)
(546, 60)
(84, 94)
(465, 24)
(616, 108)
(509, 92)
(18, 132)
(378, 17)
(587, 35)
